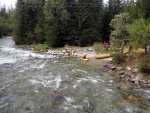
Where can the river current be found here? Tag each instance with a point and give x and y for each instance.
(38, 83)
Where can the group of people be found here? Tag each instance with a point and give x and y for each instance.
(107, 45)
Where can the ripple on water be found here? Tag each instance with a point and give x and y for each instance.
(12, 55)
(54, 82)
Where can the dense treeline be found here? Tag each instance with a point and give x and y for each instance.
(6, 21)
(60, 22)
(77, 22)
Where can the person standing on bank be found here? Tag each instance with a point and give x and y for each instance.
(107, 46)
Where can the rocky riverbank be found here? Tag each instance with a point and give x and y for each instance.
(73, 51)
(78, 52)
(128, 75)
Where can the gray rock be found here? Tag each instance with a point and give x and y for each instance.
(128, 68)
(137, 78)
(142, 82)
(113, 74)
(123, 76)
(135, 70)
(64, 51)
(105, 65)
(110, 65)
(120, 73)
(132, 76)
(113, 67)
(119, 68)
(127, 78)
(109, 71)
(136, 82)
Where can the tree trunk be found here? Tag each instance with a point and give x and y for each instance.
(145, 49)
(122, 46)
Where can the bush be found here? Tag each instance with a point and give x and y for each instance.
(144, 64)
(98, 47)
(41, 47)
(119, 58)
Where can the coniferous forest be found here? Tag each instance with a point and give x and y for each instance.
(77, 22)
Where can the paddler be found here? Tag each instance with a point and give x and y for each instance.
(84, 56)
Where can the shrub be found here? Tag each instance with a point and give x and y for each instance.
(41, 47)
(119, 58)
(98, 47)
(144, 64)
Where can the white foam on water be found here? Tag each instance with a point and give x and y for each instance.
(70, 99)
(69, 104)
(36, 91)
(39, 65)
(66, 108)
(91, 79)
(77, 106)
(145, 92)
(9, 60)
(75, 86)
(3, 105)
(111, 81)
(5, 86)
(129, 110)
(87, 102)
(79, 70)
(110, 90)
(55, 82)
(12, 55)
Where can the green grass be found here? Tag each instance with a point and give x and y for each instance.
(40, 47)
(99, 48)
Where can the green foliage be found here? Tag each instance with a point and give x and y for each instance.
(29, 22)
(113, 8)
(143, 8)
(118, 24)
(76, 25)
(72, 22)
(40, 47)
(144, 65)
(119, 58)
(5, 21)
(99, 47)
(139, 33)
(119, 33)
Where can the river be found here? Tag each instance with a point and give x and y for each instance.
(38, 83)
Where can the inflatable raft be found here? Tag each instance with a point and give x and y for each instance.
(84, 59)
(139, 50)
(103, 56)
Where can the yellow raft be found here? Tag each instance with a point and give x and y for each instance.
(125, 51)
(103, 56)
(84, 59)
(140, 50)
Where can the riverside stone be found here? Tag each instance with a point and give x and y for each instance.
(136, 82)
(109, 65)
(119, 68)
(105, 65)
(113, 67)
(120, 72)
(128, 68)
(123, 76)
(135, 70)
(127, 78)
